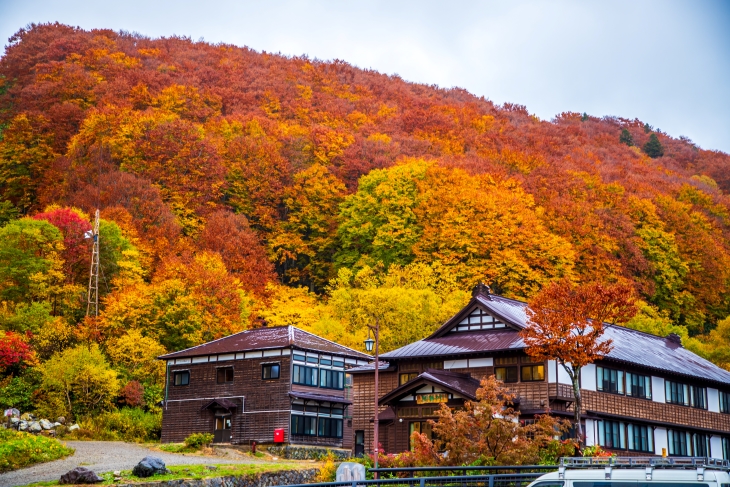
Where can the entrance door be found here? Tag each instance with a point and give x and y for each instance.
(222, 432)
(359, 443)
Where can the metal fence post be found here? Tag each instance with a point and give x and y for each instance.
(423, 481)
(491, 481)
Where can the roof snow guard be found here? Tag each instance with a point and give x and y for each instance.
(268, 338)
(629, 346)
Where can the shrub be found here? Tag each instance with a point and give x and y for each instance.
(18, 449)
(196, 441)
(328, 471)
(126, 424)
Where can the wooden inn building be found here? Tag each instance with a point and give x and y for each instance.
(648, 394)
(247, 386)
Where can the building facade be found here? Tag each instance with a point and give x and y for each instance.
(648, 395)
(244, 387)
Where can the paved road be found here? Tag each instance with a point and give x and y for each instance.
(107, 456)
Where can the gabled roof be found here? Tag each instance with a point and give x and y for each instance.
(629, 346)
(268, 338)
(461, 384)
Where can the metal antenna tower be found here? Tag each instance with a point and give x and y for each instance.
(92, 304)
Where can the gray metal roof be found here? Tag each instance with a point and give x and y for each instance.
(629, 346)
(268, 338)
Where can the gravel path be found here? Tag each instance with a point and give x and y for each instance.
(107, 456)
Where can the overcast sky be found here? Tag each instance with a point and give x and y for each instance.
(665, 62)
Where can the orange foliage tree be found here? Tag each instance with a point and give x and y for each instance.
(489, 431)
(566, 324)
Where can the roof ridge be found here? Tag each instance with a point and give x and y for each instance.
(330, 341)
(207, 343)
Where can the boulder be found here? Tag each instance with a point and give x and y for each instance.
(23, 426)
(80, 475)
(73, 427)
(149, 466)
(57, 424)
(14, 421)
(26, 417)
(35, 427)
(45, 424)
(61, 420)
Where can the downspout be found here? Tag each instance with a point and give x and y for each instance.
(167, 380)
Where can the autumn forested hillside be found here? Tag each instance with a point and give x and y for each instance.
(238, 188)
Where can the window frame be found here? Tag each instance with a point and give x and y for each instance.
(629, 387)
(224, 370)
(409, 376)
(724, 398)
(513, 368)
(325, 426)
(271, 366)
(532, 367)
(620, 376)
(312, 420)
(337, 378)
(297, 373)
(181, 373)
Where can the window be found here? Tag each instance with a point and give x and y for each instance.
(270, 371)
(698, 397)
(423, 427)
(506, 374)
(303, 425)
(325, 361)
(407, 377)
(338, 362)
(429, 411)
(676, 393)
(330, 427)
(312, 359)
(224, 375)
(701, 445)
(726, 448)
(638, 385)
(305, 375)
(505, 361)
(611, 434)
(181, 378)
(610, 380)
(433, 365)
(641, 438)
(331, 379)
(533, 373)
(299, 357)
(685, 395)
(338, 411)
(679, 443)
(725, 402)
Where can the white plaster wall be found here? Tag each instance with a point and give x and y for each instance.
(563, 377)
(590, 432)
(588, 377)
(716, 447)
(481, 362)
(660, 438)
(657, 390)
(713, 401)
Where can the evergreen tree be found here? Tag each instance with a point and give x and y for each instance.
(648, 128)
(653, 148)
(584, 117)
(626, 137)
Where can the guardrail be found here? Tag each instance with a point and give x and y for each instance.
(495, 469)
(494, 480)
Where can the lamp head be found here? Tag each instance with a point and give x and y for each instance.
(369, 344)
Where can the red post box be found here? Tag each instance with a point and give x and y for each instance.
(279, 435)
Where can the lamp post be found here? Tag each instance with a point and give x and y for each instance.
(369, 347)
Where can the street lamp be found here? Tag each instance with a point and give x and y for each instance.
(369, 347)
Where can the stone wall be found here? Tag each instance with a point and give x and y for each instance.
(266, 479)
(306, 452)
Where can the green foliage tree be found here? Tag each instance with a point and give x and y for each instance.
(378, 223)
(626, 137)
(30, 262)
(79, 381)
(653, 148)
(304, 243)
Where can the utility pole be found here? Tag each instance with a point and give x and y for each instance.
(92, 303)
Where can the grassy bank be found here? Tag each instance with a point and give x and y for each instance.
(18, 449)
(193, 472)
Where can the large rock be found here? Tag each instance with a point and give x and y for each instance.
(23, 426)
(73, 427)
(80, 475)
(45, 424)
(35, 427)
(61, 420)
(149, 466)
(26, 417)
